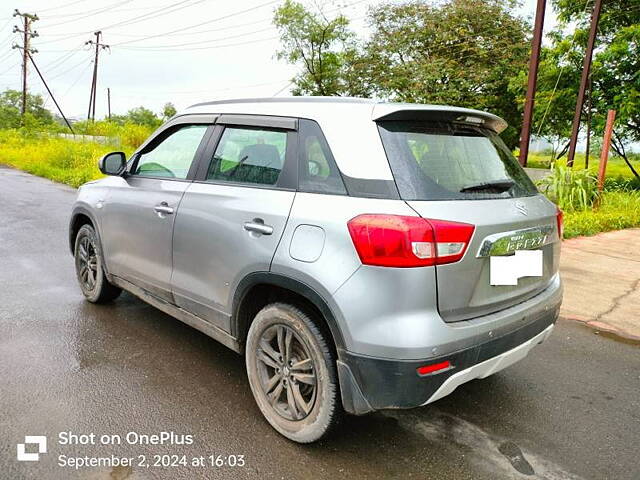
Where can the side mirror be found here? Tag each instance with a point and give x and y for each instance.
(113, 163)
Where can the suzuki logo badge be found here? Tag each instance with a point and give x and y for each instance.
(520, 207)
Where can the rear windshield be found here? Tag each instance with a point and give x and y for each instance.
(446, 161)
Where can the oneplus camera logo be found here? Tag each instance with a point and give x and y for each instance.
(39, 440)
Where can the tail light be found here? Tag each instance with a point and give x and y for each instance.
(560, 220)
(403, 241)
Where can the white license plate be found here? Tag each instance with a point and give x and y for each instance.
(506, 270)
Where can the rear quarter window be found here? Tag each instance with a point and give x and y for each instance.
(317, 172)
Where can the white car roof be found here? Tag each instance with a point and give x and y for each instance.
(306, 107)
(346, 121)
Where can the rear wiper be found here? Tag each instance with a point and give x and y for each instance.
(502, 185)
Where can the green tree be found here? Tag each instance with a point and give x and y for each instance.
(318, 44)
(457, 52)
(10, 110)
(142, 116)
(168, 111)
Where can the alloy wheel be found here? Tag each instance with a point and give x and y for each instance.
(87, 263)
(286, 371)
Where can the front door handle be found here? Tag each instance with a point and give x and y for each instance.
(258, 227)
(163, 208)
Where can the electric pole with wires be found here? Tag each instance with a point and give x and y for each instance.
(27, 35)
(91, 115)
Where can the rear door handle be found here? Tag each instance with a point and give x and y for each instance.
(258, 228)
(164, 208)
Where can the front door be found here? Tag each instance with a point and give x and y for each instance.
(231, 218)
(139, 212)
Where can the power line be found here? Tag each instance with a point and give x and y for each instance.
(82, 62)
(230, 27)
(10, 68)
(156, 13)
(213, 40)
(97, 10)
(88, 14)
(63, 58)
(62, 6)
(77, 79)
(199, 24)
(202, 48)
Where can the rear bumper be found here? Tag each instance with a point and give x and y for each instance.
(369, 383)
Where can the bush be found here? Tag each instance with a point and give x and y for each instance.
(128, 134)
(134, 135)
(617, 210)
(571, 190)
(58, 159)
(621, 184)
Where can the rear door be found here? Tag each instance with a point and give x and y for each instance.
(464, 173)
(231, 218)
(139, 211)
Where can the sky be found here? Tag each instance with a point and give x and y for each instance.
(179, 51)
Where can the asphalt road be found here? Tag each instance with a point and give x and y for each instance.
(569, 410)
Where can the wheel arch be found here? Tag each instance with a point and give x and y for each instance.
(79, 217)
(261, 288)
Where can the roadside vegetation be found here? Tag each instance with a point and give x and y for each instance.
(43, 146)
(588, 211)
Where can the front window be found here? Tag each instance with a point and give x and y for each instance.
(446, 161)
(172, 157)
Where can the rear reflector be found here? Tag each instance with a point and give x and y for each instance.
(560, 220)
(436, 367)
(403, 241)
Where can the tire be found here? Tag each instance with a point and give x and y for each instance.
(89, 268)
(309, 380)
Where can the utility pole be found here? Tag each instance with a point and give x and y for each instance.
(586, 68)
(109, 103)
(27, 35)
(525, 134)
(588, 145)
(91, 115)
(604, 154)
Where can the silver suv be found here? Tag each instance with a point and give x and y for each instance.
(361, 255)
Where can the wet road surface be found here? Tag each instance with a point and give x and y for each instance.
(569, 410)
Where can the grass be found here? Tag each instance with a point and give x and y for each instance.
(617, 210)
(616, 166)
(65, 160)
(570, 189)
(59, 159)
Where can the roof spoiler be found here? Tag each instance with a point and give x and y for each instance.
(466, 116)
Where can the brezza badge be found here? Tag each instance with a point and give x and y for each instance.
(39, 440)
(506, 243)
(523, 242)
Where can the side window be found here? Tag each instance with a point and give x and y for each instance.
(317, 172)
(249, 155)
(172, 157)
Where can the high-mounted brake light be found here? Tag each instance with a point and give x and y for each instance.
(403, 241)
(560, 220)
